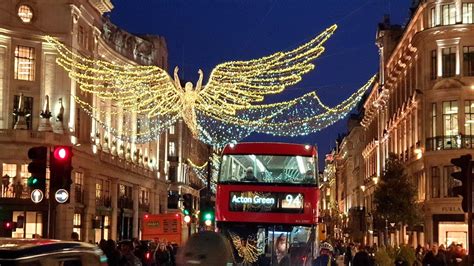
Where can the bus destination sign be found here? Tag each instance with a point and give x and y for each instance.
(253, 201)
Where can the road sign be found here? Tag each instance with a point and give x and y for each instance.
(37, 196)
(61, 195)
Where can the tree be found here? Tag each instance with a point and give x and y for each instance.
(395, 196)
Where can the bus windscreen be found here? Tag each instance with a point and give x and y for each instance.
(271, 169)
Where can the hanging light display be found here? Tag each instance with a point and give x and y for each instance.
(227, 108)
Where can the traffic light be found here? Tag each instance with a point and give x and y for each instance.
(9, 226)
(464, 177)
(188, 204)
(37, 168)
(60, 169)
(207, 217)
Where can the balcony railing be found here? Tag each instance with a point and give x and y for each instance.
(125, 202)
(450, 142)
(103, 202)
(144, 206)
(15, 192)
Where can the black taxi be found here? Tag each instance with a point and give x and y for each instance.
(41, 252)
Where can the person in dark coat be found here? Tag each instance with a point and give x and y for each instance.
(361, 258)
(434, 257)
(112, 253)
(348, 254)
(162, 255)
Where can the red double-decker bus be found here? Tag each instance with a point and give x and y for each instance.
(267, 202)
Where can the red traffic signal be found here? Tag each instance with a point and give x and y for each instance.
(9, 225)
(61, 153)
(60, 166)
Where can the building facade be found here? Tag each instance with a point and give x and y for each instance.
(421, 109)
(114, 182)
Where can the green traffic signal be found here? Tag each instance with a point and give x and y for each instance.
(208, 216)
(32, 181)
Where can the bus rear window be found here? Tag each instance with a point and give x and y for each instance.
(267, 169)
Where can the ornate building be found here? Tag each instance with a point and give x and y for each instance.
(422, 109)
(114, 182)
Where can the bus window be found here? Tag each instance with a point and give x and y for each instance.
(275, 169)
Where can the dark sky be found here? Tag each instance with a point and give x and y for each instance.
(204, 33)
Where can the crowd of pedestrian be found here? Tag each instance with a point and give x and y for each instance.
(138, 253)
(359, 255)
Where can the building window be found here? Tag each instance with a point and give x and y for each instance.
(432, 17)
(144, 196)
(435, 182)
(172, 174)
(468, 60)
(27, 106)
(25, 13)
(449, 61)
(448, 14)
(9, 172)
(78, 184)
(99, 186)
(172, 149)
(80, 35)
(107, 189)
(434, 64)
(450, 118)
(77, 223)
(433, 119)
(467, 12)
(172, 130)
(24, 63)
(469, 117)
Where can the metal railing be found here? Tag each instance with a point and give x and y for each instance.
(450, 142)
(125, 202)
(103, 202)
(144, 206)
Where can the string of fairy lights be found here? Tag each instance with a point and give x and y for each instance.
(224, 107)
(147, 101)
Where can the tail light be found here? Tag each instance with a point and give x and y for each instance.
(148, 255)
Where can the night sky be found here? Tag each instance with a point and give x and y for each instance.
(204, 33)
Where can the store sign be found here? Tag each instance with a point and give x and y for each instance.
(253, 201)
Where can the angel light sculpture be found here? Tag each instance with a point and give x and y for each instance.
(230, 96)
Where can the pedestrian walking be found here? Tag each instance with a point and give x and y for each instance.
(361, 258)
(348, 255)
(162, 255)
(128, 258)
(325, 257)
(434, 257)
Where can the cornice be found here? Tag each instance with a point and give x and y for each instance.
(102, 6)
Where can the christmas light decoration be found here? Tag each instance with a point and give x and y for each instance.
(248, 251)
(224, 110)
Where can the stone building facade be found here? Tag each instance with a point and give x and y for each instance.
(422, 110)
(114, 182)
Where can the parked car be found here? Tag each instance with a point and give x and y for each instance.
(41, 252)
